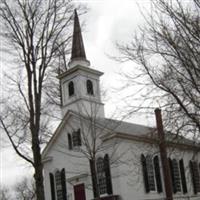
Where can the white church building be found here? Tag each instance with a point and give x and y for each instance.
(92, 157)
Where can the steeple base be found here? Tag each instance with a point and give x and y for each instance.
(78, 61)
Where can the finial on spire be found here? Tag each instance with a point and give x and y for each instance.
(78, 55)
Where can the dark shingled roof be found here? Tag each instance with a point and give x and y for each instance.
(125, 127)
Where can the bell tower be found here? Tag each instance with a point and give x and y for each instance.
(80, 83)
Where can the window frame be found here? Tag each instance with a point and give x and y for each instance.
(76, 138)
(101, 176)
(58, 185)
(150, 173)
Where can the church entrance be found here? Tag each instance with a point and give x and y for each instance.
(79, 192)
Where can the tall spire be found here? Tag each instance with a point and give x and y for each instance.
(78, 56)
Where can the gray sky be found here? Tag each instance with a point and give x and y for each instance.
(107, 21)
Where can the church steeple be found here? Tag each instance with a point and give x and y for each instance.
(78, 56)
(80, 84)
(78, 50)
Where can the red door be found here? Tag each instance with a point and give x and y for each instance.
(79, 192)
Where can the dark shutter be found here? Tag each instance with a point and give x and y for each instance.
(157, 174)
(69, 141)
(145, 175)
(79, 137)
(172, 174)
(199, 166)
(183, 179)
(195, 176)
(108, 174)
(51, 177)
(63, 183)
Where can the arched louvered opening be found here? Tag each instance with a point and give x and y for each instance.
(150, 173)
(101, 176)
(145, 174)
(157, 174)
(183, 179)
(89, 86)
(108, 174)
(195, 176)
(71, 88)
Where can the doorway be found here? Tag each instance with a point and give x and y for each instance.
(79, 192)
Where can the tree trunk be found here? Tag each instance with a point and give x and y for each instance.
(94, 179)
(38, 166)
(163, 155)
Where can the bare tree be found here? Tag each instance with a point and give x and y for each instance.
(25, 190)
(35, 35)
(166, 51)
(4, 193)
(89, 139)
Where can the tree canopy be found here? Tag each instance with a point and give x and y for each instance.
(35, 38)
(166, 50)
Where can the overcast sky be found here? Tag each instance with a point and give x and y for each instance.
(107, 21)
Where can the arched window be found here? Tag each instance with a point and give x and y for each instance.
(89, 85)
(151, 173)
(71, 88)
(101, 176)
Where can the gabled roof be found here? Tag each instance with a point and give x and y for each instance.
(123, 130)
(110, 126)
(125, 127)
